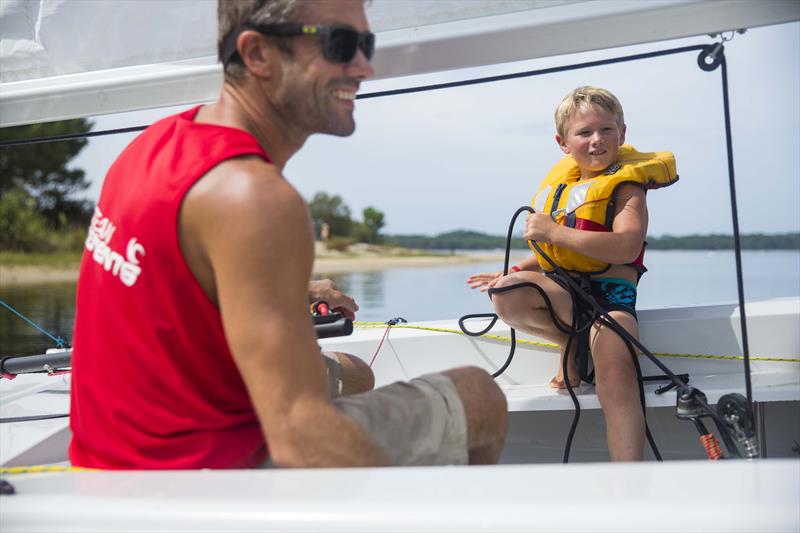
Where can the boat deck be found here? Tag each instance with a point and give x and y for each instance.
(701, 341)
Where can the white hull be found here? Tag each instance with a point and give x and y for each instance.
(729, 497)
(540, 416)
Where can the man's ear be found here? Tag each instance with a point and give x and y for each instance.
(622, 134)
(562, 145)
(257, 53)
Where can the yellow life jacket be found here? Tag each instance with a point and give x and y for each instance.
(589, 204)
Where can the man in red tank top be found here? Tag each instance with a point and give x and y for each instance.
(193, 345)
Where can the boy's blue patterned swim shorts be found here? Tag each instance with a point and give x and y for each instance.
(615, 294)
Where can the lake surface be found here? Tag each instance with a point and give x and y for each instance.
(676, 278)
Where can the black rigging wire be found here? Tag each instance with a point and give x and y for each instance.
(13, 419)
(737, 243)
(408, 90)
(69, 136)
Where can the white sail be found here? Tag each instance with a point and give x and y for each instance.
(73, 58)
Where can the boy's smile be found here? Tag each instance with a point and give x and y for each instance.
(593, 139)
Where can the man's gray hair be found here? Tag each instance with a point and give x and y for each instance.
(231, 14)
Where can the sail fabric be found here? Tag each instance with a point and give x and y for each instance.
(45, 38)
(75, 58)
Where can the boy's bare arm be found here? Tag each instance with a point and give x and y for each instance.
(620, 246)
(530, 263)
(254, 235)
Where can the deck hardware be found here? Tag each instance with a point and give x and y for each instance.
(688, 406)
(6, 488)
(734, 411)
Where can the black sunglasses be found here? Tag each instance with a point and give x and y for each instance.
(339, 44)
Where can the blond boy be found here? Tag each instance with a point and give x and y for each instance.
(591, 129)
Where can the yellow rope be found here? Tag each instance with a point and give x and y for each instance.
(38, 469)
(378, 325)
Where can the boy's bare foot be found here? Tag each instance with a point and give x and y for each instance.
(559, 383)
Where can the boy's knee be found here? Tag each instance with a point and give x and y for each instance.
(504, 309)
(506, 304)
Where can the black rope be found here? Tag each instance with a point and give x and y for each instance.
(736, 237)
(408, 90)
(572, 331)
(683, 389)
(610, 322)
(641, 381)
(576, 417)
(69, 136)
(531, 73)
(31, 418)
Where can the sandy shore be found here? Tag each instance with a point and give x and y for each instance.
(338, 265)
(325, 265)
(18, 275)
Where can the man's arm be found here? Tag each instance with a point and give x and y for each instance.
(248, 232)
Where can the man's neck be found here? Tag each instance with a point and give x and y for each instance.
(235, 108)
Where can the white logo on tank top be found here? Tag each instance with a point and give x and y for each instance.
(126, 268)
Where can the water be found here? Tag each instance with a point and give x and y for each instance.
(51, 305)
(675, 278)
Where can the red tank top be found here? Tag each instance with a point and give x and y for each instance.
(154, 384)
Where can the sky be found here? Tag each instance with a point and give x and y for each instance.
(467, 158)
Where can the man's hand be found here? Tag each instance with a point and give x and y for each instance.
(325, 290)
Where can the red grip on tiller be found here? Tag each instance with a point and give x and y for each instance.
(320, 309)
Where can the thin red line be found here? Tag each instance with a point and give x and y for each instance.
(379, 345)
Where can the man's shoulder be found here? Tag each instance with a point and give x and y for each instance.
(243, 184)
(248, 166)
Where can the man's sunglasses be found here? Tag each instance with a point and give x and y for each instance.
(339, 44)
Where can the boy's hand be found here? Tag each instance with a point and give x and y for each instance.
(539, 227)
(484, 281)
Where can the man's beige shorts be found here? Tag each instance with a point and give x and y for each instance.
(420, 422)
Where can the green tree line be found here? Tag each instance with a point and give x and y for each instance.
(40, 205)
(472, 240)
(342, 229)
(41, 208)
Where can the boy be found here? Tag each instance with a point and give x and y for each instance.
(591, 219)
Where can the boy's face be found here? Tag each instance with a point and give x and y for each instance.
(593, 139)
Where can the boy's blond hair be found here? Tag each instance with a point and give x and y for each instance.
(583, 96)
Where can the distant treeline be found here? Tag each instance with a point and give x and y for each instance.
(473, 240)
(751, 241)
